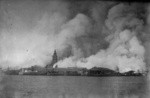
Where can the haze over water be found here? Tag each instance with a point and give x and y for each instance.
(74, 87)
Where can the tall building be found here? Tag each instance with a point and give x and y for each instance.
(54, 60)
(117, 69)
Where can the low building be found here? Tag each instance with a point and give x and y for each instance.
(131, 73)
(33, 70)
(99, 71)
(70, 71)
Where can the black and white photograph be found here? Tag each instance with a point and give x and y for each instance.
(74, 49)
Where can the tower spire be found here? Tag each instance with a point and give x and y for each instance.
(54, 60)
(54, 57)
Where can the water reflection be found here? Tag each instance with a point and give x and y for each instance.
(73, 87)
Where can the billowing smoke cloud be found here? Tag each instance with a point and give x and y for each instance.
(27, 41)
(28, 32)
(84, 34)
(125, 50)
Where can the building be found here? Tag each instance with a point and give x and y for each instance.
(33, 70)
(70, 71)
(99, 71)
(54, 60)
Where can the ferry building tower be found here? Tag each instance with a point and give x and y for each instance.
(54, 60)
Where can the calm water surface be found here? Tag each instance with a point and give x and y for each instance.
(74, 87)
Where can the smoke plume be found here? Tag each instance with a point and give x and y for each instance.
(125, 50)
(84, 34)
